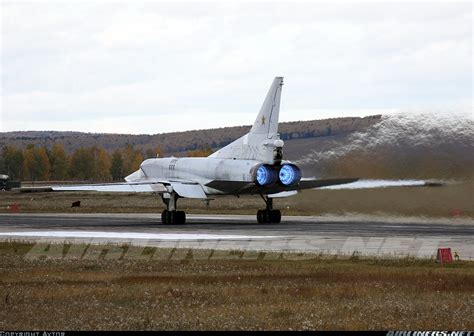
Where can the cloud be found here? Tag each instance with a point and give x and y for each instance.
(76, 65)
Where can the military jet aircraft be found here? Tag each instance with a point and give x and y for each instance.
(251, 165)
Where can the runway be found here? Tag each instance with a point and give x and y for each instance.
(346, 235)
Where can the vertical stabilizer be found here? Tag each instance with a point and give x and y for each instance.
(267, 119)
(263, 139)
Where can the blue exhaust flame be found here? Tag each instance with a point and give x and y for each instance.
(289, 175)
(265, 175)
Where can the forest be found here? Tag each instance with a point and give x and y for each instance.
(76, 156)
(38, 163)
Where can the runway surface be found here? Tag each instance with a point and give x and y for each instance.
(314, 234)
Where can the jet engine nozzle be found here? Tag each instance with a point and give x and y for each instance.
(265, 175)
(289, 174)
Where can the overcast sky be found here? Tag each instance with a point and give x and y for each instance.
(170, 66)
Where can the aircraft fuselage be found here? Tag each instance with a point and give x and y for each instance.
(203, 170)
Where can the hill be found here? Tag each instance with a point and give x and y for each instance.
(178, 143)
(423, 145)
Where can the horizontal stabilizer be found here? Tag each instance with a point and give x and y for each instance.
(309, 184)
(303, 184)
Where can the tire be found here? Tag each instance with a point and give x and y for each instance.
(275, 216)
(266, 216)
(164, 216)
(170, 217)
(180, 217)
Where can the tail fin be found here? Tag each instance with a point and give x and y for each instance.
(267, 119)
(259, 143)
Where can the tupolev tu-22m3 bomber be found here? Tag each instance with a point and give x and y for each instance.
(251, 165)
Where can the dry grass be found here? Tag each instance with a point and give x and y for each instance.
(233, 294)
(414, 201)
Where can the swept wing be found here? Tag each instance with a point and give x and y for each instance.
(187, 189)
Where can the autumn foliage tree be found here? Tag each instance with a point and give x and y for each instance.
(200, 152)
(152, 153)
(12, 162)
(102, 165)
(116, 168)
(92, 163)
(84, 164)
(132, 158)
(59, 163)
(36, 165)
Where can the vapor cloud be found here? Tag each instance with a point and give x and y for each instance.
(406, 144)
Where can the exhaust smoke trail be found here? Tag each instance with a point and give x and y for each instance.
(403, 145)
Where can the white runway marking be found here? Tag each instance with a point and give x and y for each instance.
(330, 234)
(131, 235)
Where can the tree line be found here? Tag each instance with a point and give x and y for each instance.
(38, 163)
(35, 163)
(179, 143)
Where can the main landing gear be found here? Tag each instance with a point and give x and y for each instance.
(268, 215)
(171, 216)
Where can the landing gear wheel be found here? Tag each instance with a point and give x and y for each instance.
(173, 217)
(180, 217)
(167, 217)
(268, 216)
(275, 216)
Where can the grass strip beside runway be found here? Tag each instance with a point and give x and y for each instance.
(199, 290)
